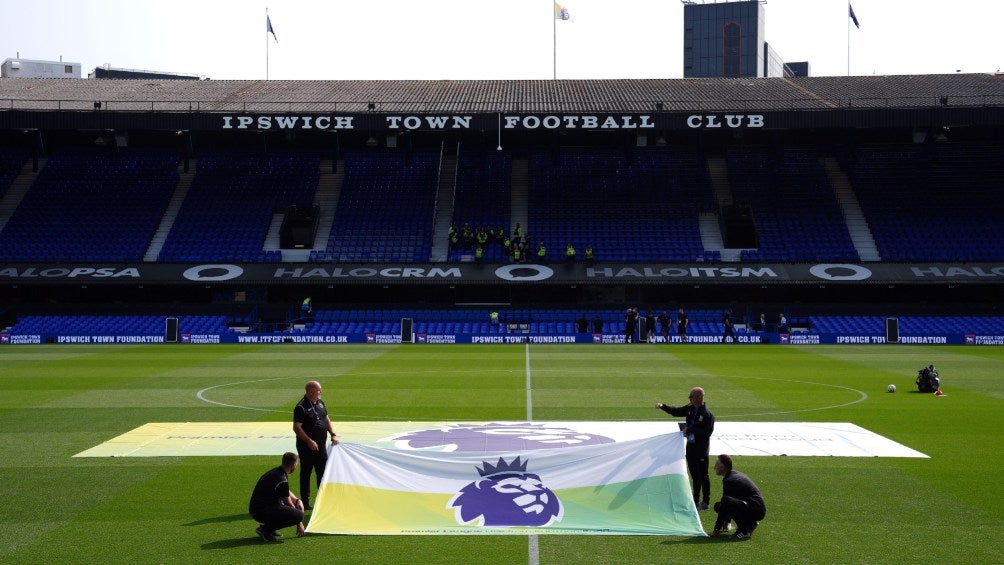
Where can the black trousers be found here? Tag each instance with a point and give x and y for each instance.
(311, 461)
(277, 517)
(697, 465)
(745, 514)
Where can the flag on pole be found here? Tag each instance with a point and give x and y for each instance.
(268, 28)
(561, 12)
(854, 18)
(635, 487)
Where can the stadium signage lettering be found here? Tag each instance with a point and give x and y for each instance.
(860, 339)
(681, 272)
(432, 122)
(526, 273)
(366, 272)
(62, 272)
(924, 339)
(213, 273)
(985, 340)
(579, 122)
(958, 271)
(444, 122)
(732, 121)
(840, 272)
(287, 122)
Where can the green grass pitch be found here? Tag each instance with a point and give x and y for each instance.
(56, 401)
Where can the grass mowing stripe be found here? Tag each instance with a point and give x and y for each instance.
(59, 400)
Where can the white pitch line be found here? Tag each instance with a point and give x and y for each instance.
(201, 394)
(529, 388)
(533, 544)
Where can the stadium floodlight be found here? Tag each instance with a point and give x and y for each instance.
(97, 105)
(371, 106)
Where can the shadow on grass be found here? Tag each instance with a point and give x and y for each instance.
(237, 542)
(697, 540)
(220, 520)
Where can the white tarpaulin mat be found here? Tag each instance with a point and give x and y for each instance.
(207, 439)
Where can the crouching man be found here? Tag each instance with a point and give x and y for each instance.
(741, 501)
(273, 505)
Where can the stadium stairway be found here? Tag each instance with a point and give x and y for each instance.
(857, 226)
(440, 251)
(518, 207)
(711, 231)
(329, 187)
(167, 221)
(718, 172)
(711, 237)
(272, 236)
(12, 198)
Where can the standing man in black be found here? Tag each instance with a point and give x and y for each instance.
(630, 325)
(699, 425)
(273, 505)
(728, 327)
(312, 425)
(741, 501)
(582, 324)
(682, 321)
(597, 324)
(649, 326)
(664, 323)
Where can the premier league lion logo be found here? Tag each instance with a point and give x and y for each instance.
(496, 436)
(506, 496)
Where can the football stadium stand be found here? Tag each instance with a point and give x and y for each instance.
(868, 209)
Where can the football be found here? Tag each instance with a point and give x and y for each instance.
(891, 388)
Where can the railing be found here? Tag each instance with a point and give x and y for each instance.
(505, 106)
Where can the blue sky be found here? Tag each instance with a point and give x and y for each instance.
(480, 39)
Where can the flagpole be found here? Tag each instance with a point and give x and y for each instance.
(554, 51)
(266, 45)
(848, 18)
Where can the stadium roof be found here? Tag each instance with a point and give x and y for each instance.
(701, 94)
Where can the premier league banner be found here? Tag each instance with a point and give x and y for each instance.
(632, 487)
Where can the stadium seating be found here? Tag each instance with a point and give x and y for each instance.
(11, 161)
(385, 208)
(105, 325)
(794, 209)
(91, 205)
(476, 320)
(228, 210)
(640, 209)
(482, 198)
(931, 202)
(553, 321)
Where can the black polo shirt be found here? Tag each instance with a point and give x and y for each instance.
(314, 418)
(272, 487)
